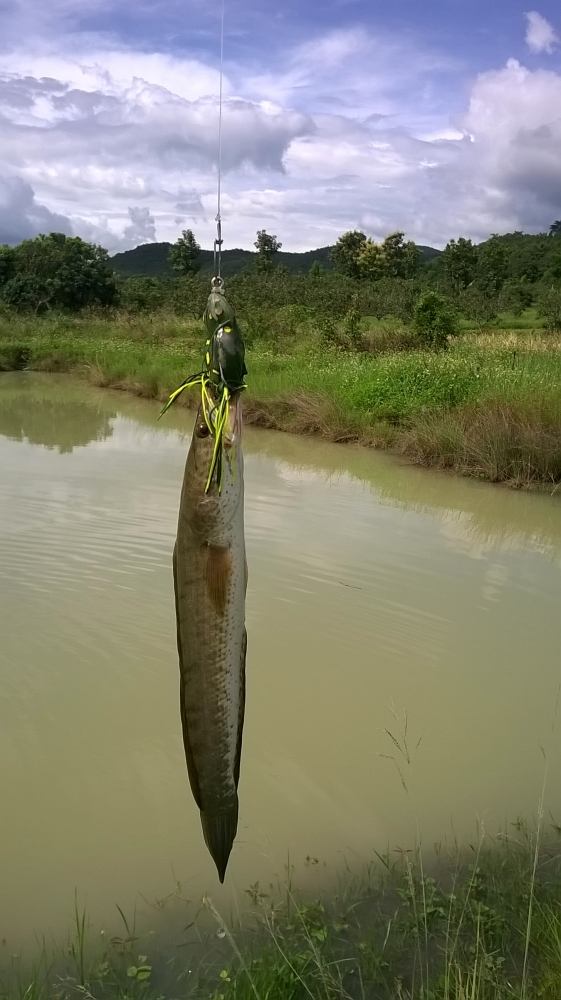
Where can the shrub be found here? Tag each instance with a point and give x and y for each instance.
(435, 320)
(481, 309)
(550, 308)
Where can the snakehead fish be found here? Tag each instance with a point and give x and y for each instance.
(210, 579)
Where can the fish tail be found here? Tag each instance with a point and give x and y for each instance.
(219, 830)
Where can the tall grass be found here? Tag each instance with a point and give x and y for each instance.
(489, 406)
(483, 923)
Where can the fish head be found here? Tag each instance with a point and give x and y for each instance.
(209, 505)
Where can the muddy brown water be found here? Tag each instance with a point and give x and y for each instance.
(383, 599)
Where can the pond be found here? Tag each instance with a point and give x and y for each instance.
(404, 659)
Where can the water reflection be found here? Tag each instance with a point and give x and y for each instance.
(59, 417)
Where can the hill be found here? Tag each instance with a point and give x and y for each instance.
(151, 260)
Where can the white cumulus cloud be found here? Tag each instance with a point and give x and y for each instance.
(540, 34)
(351, 128)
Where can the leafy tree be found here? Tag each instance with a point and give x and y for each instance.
(459, 260)
(141, 294)
(555, 228)
(6, 264)
(267, 247)
(549, 307)
(371, 260)
(479, 308)
(492, 269)
(59, 272)
(346, 252)
(317, 270)
(435, 320)
(184, 255)
(516, 296)
(190, 295)
(351, 325)
(401, 258)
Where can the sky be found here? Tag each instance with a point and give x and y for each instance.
(440, 119)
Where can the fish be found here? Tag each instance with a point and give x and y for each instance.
(210, 583)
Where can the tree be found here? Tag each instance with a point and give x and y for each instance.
(435, 320)
(60, 272)
(141, 294)
(6, 264)
(267, 247)
(516, 296)
(479, 308)
(184, 255)
(371, 260)
(555, 228)
(459, 259)
(317, 270)
(549, 307)
(346, 252)
(491, 266)
(401, 258)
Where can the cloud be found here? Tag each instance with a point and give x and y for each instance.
(349, 128)
(141, 228)
(21, 216)
(540, 34)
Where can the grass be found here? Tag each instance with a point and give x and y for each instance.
(487, 407)
(478, 924)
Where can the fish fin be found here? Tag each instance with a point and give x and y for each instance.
(237, 761)
(219, 831)
(191, 769)
(218, 570)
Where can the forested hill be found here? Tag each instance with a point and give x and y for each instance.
(151, 259)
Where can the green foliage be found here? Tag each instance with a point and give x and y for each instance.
(549, 307)
(555, 228)
(357, 256)
(184, 256)
(352, 326)
(142, 294)
(516, 296)
(492, 266)
(479, 308)
(489, 406)
(435, 320)
(267, 247)
(317, 270)
(347, 251)
(7, 264)
(459, 261)
(59, 272)
(189, 295)
(370, 261)
(401, 259)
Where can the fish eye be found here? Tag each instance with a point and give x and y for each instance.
(202, 431)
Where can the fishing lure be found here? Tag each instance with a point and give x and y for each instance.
(222, 375)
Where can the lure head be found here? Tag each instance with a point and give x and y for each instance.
(225, 346)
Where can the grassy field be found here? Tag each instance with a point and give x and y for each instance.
(482, 925)
(490, 406)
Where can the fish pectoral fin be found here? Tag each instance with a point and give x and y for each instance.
(218, 572)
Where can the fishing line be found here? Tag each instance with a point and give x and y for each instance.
(218, 241)
(222, 374)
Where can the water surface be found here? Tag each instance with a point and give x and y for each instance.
(382, 600)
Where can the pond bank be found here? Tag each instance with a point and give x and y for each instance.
(484, 925)
(490, 407)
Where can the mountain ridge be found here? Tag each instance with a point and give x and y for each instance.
(151, 260)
